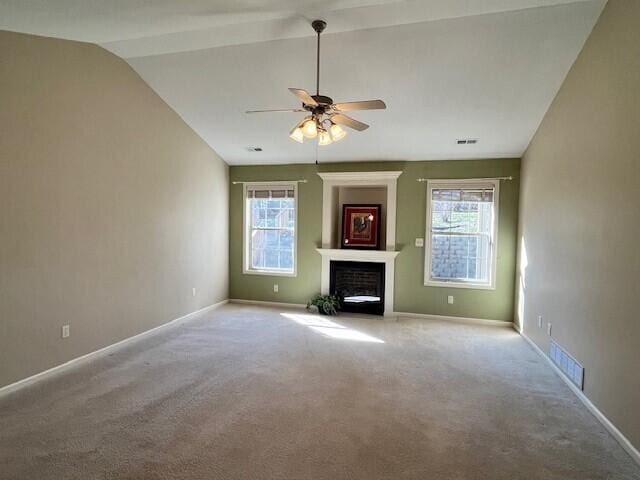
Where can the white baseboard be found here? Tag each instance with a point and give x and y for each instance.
(446, 318)
(105, 350)
(475, 321)
(617, 434)
(262, 303)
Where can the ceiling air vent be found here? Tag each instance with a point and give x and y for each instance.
(466, 141)
(254, 149)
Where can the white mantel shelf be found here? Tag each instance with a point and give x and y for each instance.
(360, 178)
(388, 257)
(357, 255)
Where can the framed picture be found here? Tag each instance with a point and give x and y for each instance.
(361, 226)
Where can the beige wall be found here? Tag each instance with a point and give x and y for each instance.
(580, 218)
(111, 207)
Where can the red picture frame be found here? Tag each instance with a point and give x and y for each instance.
(361, 226)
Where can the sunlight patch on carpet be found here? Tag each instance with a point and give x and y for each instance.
(329, 328)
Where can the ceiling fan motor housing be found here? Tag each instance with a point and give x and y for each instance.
(323, 104)
(322, 99)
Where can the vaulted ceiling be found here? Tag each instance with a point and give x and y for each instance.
(447, 69)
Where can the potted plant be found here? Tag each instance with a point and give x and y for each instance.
(326, 304)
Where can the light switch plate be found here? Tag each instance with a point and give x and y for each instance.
(275, 288)
(419, 242)
(450, 299)
(65, 331)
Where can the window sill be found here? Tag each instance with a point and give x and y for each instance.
(270, 273)
(469, 286)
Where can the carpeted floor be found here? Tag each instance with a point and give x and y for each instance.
(250, 393)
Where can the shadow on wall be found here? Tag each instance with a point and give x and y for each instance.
(522, 284)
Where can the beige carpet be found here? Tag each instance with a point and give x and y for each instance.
(249, 393)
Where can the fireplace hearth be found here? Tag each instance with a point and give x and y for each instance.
(358, 285)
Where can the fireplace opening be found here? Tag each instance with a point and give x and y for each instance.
(358, 285)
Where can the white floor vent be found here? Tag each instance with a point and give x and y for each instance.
(567, 364)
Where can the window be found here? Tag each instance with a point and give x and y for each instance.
(461, 233)
(270, 229)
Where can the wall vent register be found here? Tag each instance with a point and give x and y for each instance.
(567, 364)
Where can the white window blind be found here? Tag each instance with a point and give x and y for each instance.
(461, 233)
(270, 193)
(270, 226)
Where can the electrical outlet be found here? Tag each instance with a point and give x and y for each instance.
(539, 321)
(193, 292)
(549, 328)
(65, 331)
(275, 288)
(450, 299)
(419, 242)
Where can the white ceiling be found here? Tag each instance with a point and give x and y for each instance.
(163, 26)
(447, 69)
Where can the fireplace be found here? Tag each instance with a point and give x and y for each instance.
(358, 285)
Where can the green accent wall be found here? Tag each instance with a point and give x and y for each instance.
(410, 293)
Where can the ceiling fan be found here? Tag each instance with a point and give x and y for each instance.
(325, 117)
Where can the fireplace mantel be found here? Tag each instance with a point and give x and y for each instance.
(330, 182)
(358, 255)
(351, 255)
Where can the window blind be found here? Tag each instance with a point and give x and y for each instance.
(462, 195)
(270, 192)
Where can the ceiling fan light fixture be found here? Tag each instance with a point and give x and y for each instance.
(296, 134)
(337, 132)
(309, 128)
(324, 118)
(324, 138)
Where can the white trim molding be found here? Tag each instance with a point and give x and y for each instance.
(453, 319)
(332, 180)
(387, 316)
(606, 423)
(357, 178)
(12, 387)
(246, 237)
(353, 255)
(262, 303)
(433, 184)
(358, 255)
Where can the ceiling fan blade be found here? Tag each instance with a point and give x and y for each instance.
(303, 96)
(365, 105)
(276, 110)
(348, 122)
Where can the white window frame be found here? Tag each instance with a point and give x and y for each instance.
(246, 236)
(453, 184)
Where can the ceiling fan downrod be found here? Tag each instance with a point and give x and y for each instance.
(318, 26)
